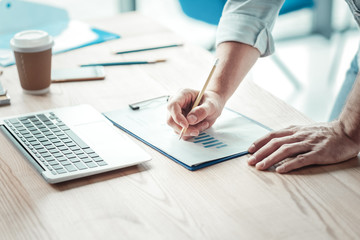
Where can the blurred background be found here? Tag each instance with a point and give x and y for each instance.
(315, 42)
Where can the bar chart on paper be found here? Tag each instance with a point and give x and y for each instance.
(208, 141)
(229, 137)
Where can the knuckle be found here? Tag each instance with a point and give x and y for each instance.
(173, 121)
(285, 148)
(169, 121)
(201, 112)
(211, 105)
(307, 145)
(177, 118)
(192, 131)
(184, 90)
(274, 142)
(211, 122)
(296, 138)
(204, 126)
(301, 159)
(272, 134)
(293, 129)
(170, 105)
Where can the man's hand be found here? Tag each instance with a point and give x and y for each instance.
(198, 119)
(298, 146)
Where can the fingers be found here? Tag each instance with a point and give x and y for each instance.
(198, 119)
(178, 121)
(277, 146)
(299, 161)
(194, 130)
(267, 138)
(271, 147)
(176, 117)
(173, 124)
(198, 114)
(300, 146)
(283, 152)
(178, 104)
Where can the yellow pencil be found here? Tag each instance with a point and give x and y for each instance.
(199, 96)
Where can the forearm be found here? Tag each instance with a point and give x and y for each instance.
(235, 61)
(350, 116)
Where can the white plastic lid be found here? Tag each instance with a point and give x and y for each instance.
(31, 41)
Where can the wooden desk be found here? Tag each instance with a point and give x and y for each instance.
(161, 199)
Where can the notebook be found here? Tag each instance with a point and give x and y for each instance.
(71, 142)
(228, 138)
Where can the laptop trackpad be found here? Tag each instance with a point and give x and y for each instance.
(106, 141)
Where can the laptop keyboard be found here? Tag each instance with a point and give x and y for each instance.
(53, 143)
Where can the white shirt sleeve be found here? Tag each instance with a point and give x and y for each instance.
(249, 22)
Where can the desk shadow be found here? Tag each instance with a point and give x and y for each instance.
(101, 177)
(353, 163)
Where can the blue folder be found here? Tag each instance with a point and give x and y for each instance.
(16, 16)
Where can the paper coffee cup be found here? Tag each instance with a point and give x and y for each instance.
(32, 50)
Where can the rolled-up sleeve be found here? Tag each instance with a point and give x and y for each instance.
(249, 22)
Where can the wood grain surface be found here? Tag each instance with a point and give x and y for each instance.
(161, 199)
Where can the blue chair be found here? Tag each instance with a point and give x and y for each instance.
(209, 11)
(295, 5)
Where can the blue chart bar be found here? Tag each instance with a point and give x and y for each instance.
(224, 145)
(204, 140)
(201, 135)
(208, 141)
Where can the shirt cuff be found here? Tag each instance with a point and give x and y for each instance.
(246, 29)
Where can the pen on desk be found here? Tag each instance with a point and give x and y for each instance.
(148, 49)
(123, 63)
(201, 93)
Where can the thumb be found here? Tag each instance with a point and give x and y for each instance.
(198, 114)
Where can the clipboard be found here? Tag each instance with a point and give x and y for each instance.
(228, 138)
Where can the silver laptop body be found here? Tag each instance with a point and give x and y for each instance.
(71, 142)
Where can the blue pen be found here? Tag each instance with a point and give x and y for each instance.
(148, 49)
(122, 63)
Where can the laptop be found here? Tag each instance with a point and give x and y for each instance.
(71, 142)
